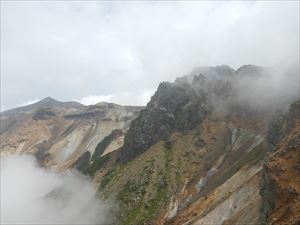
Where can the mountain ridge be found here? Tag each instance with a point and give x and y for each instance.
(203, 151)
(177, 169)
(59, 132)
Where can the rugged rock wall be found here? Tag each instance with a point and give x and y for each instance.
(172, 108)
(182, 105)
(197, 155)
(282, 171)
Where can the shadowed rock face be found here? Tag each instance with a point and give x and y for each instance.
(282, 170)
(83, 161)
(182, 105)
(174, 107)
(43, 114)
(178, 106)
(281, 125)
(106, 141)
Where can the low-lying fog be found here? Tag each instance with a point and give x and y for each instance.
(33, 195)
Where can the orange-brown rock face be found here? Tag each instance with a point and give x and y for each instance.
(284, 171)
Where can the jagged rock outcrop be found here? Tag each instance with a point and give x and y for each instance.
(282, 171)
(174, 107)
(182, 105)
(282, 124)
(197, 154)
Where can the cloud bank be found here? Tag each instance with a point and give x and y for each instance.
(32, 195)
(274, 89)
(93, 99)
(72, 49)
(139, 97)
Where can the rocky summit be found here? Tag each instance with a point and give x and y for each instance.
(213, 147)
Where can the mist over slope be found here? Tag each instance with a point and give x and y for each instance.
(182, 105)
(201, 146)
(261, 88)
(197, 153)
(32, 195)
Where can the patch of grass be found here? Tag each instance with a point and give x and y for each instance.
(158, 201)
(107, 178)
(144, 211)
(134, 217)
(96, 165)
(168, 154)
(143, 197)
(132, 198)
(168, 144)
(131, 192)
(107, 182)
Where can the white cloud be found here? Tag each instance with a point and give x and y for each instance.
(139, 98)
(32, 195)
(93, 99)
(77, 49)
(131, 97)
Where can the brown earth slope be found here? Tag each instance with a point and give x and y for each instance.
(283, 167)
(58, 133)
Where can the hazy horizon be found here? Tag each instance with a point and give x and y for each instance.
(92, 100)
(98, 51)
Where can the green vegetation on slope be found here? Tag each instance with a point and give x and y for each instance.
(96, 165)
(145, 185)
(143, 198)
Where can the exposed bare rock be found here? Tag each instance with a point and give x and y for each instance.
(58, 133)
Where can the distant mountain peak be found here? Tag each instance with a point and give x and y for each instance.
(48, 102)
(48, 98)
(249, 68)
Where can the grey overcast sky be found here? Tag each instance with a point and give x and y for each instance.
(120, 51)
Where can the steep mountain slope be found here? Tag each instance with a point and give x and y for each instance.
(59, 132)
(283, 169)
(216, 146)
(182, 105)
(196, 154)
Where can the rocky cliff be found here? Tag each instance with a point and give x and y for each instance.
(199, 154)
(283, 168)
